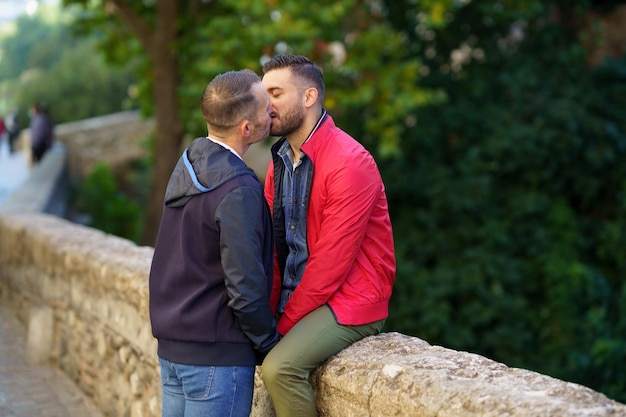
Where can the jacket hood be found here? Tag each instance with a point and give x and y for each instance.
(204, 166)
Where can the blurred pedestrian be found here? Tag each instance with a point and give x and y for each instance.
(12, 129)
(40, 132)
(2, 132)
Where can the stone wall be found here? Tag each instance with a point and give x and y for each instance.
(91, 290)
(115, 139)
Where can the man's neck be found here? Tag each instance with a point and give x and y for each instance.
(297, 138)
(237, 146)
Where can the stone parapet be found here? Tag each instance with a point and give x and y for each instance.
(114, 139)
(96, 287)
(93, 289)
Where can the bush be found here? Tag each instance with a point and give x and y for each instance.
(509, 209)
(108, 208)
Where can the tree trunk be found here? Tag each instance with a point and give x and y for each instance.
(169, 129)
(169, 137)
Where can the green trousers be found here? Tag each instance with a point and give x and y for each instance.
(310, 342)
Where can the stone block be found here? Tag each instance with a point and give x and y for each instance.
(40, 335)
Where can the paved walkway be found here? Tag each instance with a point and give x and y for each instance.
(13, 170)
(34, 391)
(27, 390)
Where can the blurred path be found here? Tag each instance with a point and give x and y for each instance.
(32, 390)
(14, 170)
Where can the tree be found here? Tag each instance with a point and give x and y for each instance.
(33, 42)
(43, 62)
(187, 43)
(95, 88)
(155, 29)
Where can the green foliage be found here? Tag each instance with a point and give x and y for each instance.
(345, 37)
(81, 74)
(109, 209)
(42, 62)
(34, 42)
(508, 204)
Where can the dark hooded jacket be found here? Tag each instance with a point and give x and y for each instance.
(210, 278)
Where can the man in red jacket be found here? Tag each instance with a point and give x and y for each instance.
(334, 262)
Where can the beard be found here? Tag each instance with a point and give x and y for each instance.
(288, 123)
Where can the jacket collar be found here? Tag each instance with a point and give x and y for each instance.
(323, 124)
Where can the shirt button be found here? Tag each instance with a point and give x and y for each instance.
(292, 227)
(293, 251)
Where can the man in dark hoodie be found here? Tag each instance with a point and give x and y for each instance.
(210, 279)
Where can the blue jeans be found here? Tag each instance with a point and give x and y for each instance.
(206, 391)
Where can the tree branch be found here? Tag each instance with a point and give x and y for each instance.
(139, 26)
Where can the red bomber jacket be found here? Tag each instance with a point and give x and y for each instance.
(351, 265)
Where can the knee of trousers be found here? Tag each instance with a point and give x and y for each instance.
(274, 368)
(270, 370)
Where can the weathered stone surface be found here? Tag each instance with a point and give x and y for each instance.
(115, 139)
(40, 335)
(96, 284)
(397, 375)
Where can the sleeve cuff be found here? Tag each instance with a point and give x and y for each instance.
(284, 325)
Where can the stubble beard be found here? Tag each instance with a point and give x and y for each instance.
(289, 122)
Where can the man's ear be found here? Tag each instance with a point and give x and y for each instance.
(310, 96)
(245, 127)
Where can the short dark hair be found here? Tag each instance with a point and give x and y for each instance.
(228, 99)
(302, 67)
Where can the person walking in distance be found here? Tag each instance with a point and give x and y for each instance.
(334, 263)
(41, 132)
(2, 133)
(210, 278)
(12, 128)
